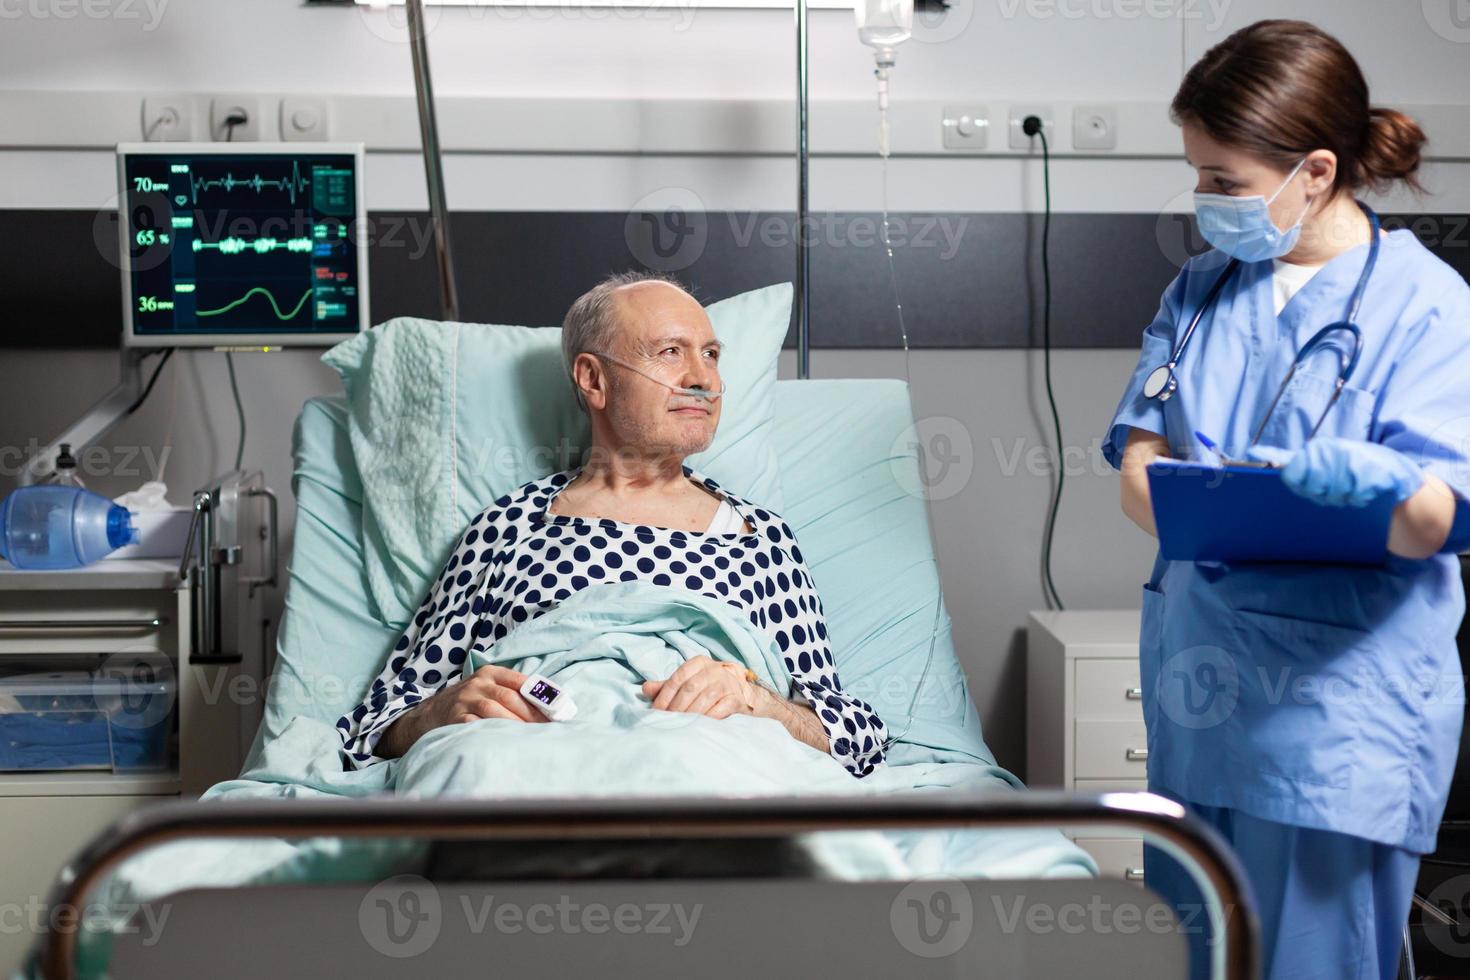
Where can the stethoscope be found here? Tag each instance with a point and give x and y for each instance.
(1162, 383)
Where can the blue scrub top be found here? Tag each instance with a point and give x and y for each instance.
(1328, 697)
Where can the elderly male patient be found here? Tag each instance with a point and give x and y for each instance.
(644, 362)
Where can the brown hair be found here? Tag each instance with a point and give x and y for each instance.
(1283, 88)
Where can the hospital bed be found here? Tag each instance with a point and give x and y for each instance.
(277, 874)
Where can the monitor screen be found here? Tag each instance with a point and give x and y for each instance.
(250, 245)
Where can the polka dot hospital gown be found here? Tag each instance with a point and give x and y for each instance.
(515, 562)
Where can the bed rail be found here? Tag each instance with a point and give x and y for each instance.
(1160, 822)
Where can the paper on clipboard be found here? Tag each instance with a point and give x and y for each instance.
(1238, 514)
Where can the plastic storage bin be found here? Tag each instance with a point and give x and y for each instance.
(77, 719)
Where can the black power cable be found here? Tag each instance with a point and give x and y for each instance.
(1033, 127)
(235, 118)
(153, 378)
(239, 409)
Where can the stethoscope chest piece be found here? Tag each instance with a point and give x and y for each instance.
(1160, 383)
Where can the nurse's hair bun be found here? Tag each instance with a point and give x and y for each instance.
(1393, 150)
(1281, 89)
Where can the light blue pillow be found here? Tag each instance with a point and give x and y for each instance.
(851, 474)
(447, 417)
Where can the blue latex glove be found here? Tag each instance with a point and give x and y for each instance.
(1345, 472)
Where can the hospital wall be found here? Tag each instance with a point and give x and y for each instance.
(57, 68)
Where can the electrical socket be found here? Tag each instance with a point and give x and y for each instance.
(1094, 127)
(1019, 139)
(220, 109)
(305, 117)
(168, 118)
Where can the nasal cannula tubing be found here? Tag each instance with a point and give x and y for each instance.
(701, 393)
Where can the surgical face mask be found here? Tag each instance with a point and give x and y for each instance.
(1242, 228)
(699, 393)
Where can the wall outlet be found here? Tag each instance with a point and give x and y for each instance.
(168, 118)
(221, 107)
(305, 117)
(1019, 139)
(1094, 127)
(966, 127)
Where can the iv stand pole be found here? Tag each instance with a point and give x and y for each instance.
(433, 159)
(803, 296)
(434, 172)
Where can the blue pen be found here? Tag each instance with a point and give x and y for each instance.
(1209, 444)
(1222, 462)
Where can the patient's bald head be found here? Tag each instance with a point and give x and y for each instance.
(592, 324)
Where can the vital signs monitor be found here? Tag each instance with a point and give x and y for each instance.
(242, 244)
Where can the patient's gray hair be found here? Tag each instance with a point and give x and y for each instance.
(592, 323)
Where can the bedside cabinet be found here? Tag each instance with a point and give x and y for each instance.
(1084, 716)
(119, 615)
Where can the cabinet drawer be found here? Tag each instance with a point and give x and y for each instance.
(1110, 750)
(1117, 857)
(1108, 689)
(1110, 785)
(88, 621)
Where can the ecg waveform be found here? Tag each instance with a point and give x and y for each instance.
(260, 246)
(292, 185)
(270, 298)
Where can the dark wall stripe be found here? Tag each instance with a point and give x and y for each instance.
(967, 280)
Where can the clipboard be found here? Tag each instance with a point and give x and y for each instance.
(1246, 514)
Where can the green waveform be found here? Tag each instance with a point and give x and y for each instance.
(291, 185)
(260, 246)
(270, 298)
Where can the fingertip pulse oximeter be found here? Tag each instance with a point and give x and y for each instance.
(550, 699)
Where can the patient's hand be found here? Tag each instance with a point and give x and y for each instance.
(719, 689)
(490, 692)
(702, 686)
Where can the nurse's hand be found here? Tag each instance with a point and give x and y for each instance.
(1345, 472)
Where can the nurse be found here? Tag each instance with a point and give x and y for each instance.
(1311, 713)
